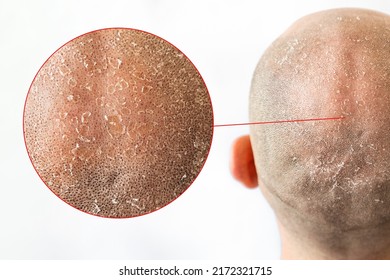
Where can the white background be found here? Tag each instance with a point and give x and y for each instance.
(215, 218)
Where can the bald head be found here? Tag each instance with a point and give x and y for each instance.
(118, 123)
(333, 175)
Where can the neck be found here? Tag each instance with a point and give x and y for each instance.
(306, 237)
(357, 244)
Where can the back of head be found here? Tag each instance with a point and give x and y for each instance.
(329, 176)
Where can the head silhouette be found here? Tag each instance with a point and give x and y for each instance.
(328, 182)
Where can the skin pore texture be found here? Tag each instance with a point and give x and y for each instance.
(328, 182)
(118, 123)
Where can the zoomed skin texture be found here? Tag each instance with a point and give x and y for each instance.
(118, 123)
(326, 177)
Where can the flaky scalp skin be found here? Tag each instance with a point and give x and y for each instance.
(332, 175)
(118, 123)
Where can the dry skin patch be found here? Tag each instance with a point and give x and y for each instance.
(118, 123)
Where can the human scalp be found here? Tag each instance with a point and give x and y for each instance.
(118, 123)
(334, 174)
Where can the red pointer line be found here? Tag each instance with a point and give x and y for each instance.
(283, 121)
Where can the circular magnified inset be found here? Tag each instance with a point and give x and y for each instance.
(118, 123)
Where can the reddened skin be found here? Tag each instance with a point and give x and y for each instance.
(242, 164)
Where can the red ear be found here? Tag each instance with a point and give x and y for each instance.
(242, 164)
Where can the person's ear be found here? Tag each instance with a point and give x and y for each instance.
(242, 164)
